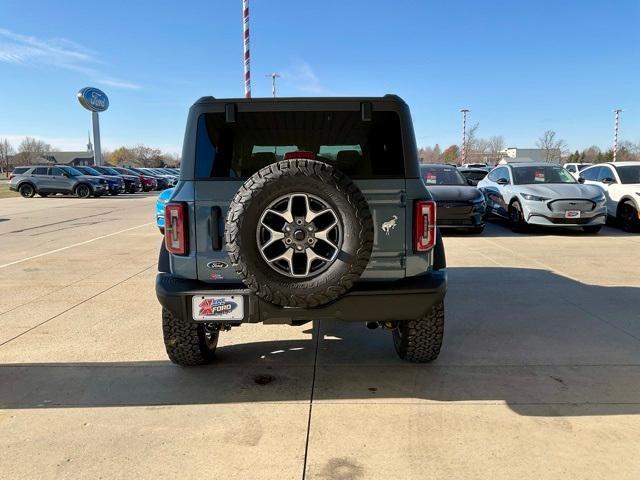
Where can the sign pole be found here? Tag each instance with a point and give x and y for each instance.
(97, 151)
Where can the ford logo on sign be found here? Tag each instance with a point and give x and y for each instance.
(93, 99)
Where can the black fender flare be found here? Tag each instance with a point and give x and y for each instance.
(625, 199)
(439, 256)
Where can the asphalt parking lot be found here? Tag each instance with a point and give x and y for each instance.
(539, 376)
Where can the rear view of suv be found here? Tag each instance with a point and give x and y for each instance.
(62, 179)
(293, 210)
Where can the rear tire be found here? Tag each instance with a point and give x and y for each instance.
(419, 341)
(27, 190)
(592, 229)
(628, 217)
(187, 343)
(518, 224)
(83, 191)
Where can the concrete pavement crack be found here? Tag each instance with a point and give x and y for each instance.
(76, 305)
(313, 384)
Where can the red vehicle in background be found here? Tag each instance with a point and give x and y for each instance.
(148, 183)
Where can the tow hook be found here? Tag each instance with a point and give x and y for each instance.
(386, 325)
(217, 327)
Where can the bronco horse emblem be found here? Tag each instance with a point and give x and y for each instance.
(390, 225)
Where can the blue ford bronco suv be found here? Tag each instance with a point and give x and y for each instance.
(291, 210)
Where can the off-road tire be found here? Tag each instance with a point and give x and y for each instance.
(419, 341)
(592, 228)
(516, 217)
(82, 191)
(186, 342)
(27, 190)
(282, 178)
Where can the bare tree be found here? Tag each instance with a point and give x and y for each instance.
(591, 154)
(627, 152)
(30, 149)
(6, 150)
(496, 144)
(553, 147)
(472, 140)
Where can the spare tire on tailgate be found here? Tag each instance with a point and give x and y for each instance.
(299, 233)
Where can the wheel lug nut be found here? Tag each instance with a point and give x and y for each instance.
(287, 241)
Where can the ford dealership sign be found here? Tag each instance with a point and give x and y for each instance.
(93, 99)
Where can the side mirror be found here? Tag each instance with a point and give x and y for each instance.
(580, 179)
(503, 181)
(608, 180)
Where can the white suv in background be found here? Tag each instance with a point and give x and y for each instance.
(621, 184)
(575, 168)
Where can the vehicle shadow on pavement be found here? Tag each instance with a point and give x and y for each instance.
(501, 228)
(543, 344)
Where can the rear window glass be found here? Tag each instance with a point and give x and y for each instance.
(358, 148)
(433, 175)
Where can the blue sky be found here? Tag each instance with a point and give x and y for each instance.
(521, 67)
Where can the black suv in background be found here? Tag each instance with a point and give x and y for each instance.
(132, 183)
(116, 184)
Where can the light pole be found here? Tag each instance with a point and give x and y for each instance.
(464, 112)
(273, 76)
(245, 28)
(615, 133)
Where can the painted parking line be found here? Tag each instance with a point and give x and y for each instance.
(75, 245)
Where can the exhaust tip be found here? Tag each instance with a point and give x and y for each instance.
(372, 325)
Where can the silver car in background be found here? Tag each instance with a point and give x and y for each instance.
(542, 194)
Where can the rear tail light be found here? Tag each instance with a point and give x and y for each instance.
(175, 228)
(424, 225)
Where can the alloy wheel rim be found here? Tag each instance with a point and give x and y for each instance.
(299, 235)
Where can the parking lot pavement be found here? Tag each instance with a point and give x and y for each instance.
(539, 376)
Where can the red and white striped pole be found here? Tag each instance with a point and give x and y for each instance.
(247, 71)
(615, 133)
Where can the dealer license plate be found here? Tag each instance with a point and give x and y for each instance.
(218, 307)
(572, 214)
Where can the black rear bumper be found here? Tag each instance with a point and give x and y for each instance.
(405, 299)
(459, 215)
